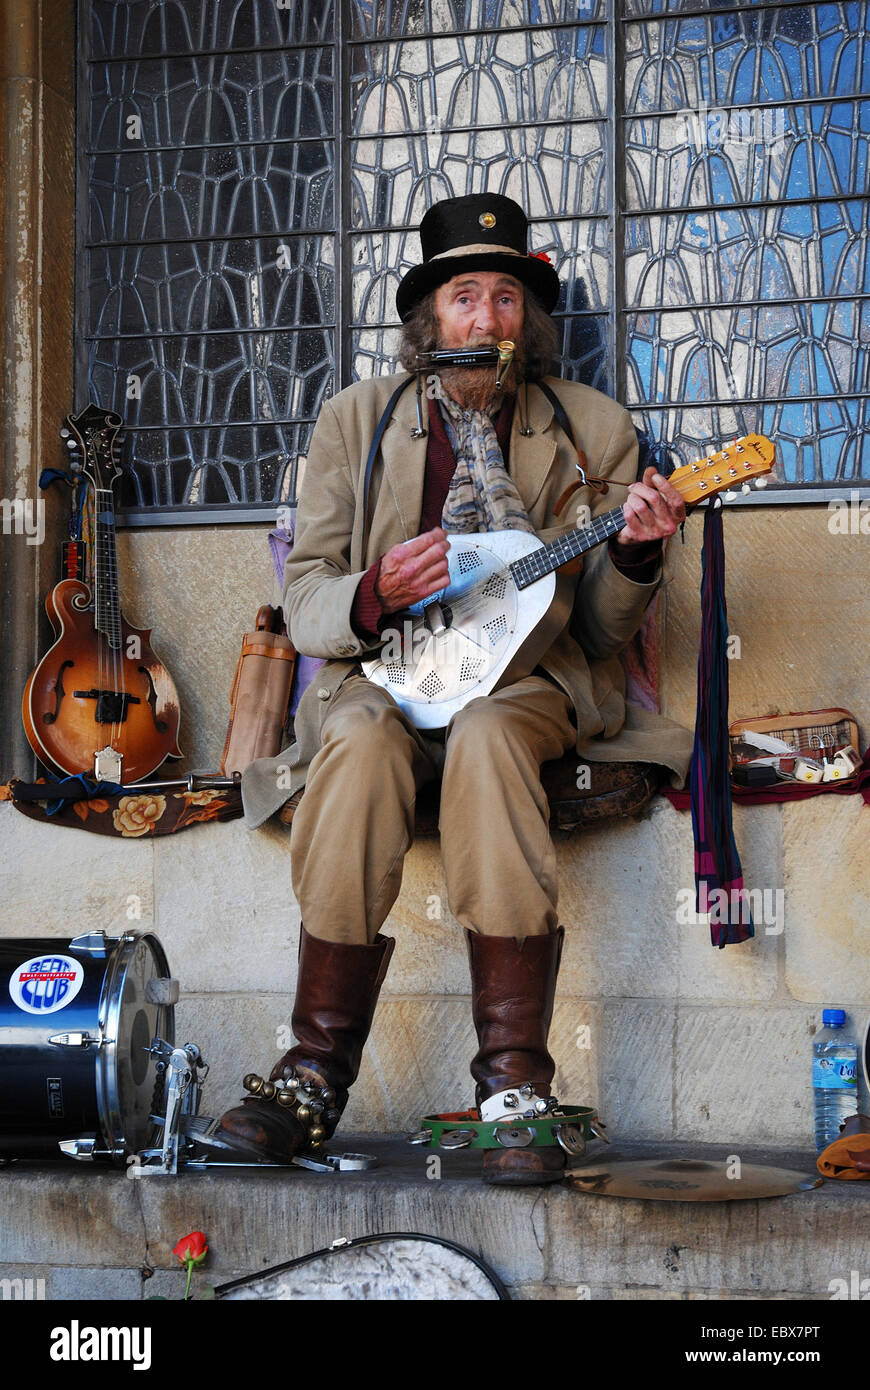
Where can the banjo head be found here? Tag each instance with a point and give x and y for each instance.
(459, 648)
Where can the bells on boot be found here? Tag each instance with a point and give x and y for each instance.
(310, 1105)
(299, 1107)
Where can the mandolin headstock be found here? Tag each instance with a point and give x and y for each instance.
(94, 438)
(749, 458)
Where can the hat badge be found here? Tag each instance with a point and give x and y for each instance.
(487, 220)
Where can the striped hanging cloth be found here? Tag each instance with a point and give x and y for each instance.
(718, 875)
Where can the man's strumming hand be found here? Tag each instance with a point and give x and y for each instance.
(413, 570)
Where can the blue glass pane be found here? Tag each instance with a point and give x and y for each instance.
(755, 154)
(740, 353)
(481, 81)
(133, 28)
(395, 18)
(737, 254)
(761, 53)
(817, 443)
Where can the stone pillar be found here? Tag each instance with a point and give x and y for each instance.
(37, 236)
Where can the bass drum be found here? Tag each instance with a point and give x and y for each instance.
(77, 1018)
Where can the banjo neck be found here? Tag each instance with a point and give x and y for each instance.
(530, 568)
(729, 468)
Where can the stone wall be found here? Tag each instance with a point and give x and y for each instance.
(669, 1037)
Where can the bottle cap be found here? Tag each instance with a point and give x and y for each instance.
(834, 1018)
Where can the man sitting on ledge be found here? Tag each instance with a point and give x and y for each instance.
(489, 460)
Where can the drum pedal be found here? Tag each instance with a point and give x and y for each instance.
(184, 1071)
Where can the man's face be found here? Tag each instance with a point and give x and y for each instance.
(479, 308)
(476, 310)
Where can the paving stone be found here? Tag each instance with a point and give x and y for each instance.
(236, 1034)
(798, 1242)
(785, 641)
(92, 1285)
(636, 1098)
(103, 879)
(826, 943)
(256, 1221)
(576, 1045)
(25, 1283)
(431, 956)
(418, 1053)
(549, 1243)
(585, 1293)
(548, 1293)
(748, 971)
(433, 1042)
(225, 909)
(54, 1208)
(617, 903)
(744, 1072)
(627, 892)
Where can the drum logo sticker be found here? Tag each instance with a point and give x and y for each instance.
(46, 983)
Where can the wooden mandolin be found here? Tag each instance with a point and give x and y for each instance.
(100, 702)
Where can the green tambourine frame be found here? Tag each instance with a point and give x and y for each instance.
(570, 1127)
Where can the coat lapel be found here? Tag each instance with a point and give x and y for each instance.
(532, 456)
(404, 461)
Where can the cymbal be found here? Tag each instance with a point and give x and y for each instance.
(689, 1180)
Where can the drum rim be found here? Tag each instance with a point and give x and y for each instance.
(106, 1069)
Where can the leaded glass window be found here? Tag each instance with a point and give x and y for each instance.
(252, 173)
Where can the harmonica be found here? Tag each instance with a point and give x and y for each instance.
(500, 355)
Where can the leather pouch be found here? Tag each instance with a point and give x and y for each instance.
(816, 736)
(260, 694)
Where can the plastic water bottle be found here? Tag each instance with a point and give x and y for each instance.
(835, 1077)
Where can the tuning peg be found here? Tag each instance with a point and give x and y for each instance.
(64, 434)
(71, 444)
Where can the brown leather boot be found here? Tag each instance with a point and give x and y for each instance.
(336, 994)
(513, 984)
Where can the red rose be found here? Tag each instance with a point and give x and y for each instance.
(540, 256)
(193, 1248)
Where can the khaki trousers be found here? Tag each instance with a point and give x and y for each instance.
(355, 822)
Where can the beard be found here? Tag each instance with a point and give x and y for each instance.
(474, 387)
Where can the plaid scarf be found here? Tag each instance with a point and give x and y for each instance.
(481, 496)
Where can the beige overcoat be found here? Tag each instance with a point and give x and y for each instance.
(329, 559)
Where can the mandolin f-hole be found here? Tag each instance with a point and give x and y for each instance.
(48, 716)
(160, 724)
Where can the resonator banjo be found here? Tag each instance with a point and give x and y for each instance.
(502, 608)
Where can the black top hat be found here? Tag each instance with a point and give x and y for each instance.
(483, 231)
